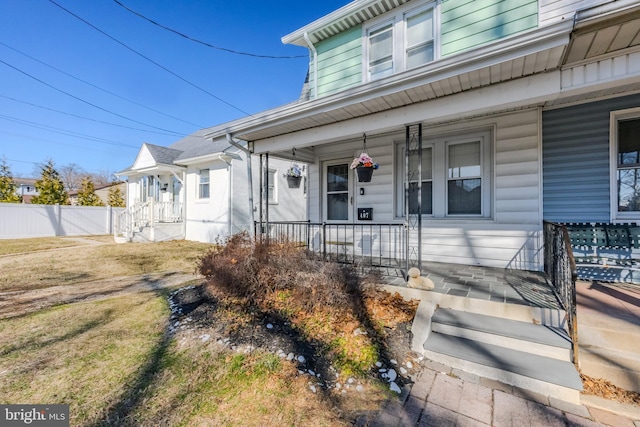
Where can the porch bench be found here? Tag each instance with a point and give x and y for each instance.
(605, 244)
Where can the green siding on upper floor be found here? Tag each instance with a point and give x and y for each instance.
(469, 23)
(465, 24)
(339, 61)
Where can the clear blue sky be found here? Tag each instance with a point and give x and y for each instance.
(47, 57)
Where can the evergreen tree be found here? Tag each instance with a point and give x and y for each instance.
(50, 187)
(8, 186)
(87, 194)
(116, 198)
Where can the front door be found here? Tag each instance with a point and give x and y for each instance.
(338, 198)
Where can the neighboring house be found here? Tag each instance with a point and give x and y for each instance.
(26, 188)
(513, 112)
(201, 191)
(101, 191)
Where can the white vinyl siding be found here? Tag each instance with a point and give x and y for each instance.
(511, 233)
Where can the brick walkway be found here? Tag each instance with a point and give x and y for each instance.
(441, 397)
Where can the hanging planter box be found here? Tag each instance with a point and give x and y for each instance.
(293, 181)
(364, 173)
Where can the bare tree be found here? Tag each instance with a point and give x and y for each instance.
(72, 175)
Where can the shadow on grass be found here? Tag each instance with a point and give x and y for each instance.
(120, 413)
(81, 329)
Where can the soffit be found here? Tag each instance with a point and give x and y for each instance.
(425, 88)
(342, 19)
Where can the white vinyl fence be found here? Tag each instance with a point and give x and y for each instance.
(21, 221)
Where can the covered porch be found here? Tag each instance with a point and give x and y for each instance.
(511, 325)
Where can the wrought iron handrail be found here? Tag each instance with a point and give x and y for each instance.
(560, 267)
(374, 245)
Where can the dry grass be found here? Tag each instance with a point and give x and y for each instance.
(113, 362)
(19, 246)
(84, 354)
(71, 265)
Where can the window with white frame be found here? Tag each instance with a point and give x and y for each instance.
(625, 146)
(380, 50)
(203, 184)
(272, 193)
(406, 40)
(455, 177)
(419, 38)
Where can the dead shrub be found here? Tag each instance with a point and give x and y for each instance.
(253, 271)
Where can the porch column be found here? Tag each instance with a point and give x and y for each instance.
(413, 195)
(264, 194)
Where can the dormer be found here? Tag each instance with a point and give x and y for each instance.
(369, 40)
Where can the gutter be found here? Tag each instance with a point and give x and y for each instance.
(230, 201)
(495, 53)
(315, 64)
(237, 144)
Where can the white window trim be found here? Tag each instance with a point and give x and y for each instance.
(614, 118)
(274, 182)
(398, 18)
(199, 183)
(350, 185)
(439, 179)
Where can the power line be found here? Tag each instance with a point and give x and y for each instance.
(99, 88)
(86, 102)
(202, 42)
(85, 118)
(151, 60)
(64, 131)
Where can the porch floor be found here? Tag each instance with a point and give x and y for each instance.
(530, 288)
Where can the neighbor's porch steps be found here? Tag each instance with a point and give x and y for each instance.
(522, 354)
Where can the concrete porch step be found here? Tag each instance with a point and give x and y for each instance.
(544, 375)
(517, 335)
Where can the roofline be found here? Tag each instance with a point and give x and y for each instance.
(537, 39)
(205, 158)
(297, 37)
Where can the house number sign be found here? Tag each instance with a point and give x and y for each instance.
(365, 214)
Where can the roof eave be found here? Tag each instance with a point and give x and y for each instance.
(297, 37)
(206, 158)
(541, 38)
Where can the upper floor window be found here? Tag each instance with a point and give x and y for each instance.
(625, 140)
(405, 41)
(381, 52)
(203, 184)
(419, 38)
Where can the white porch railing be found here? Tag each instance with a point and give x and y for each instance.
(140, 215)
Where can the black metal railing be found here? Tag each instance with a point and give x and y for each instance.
(560, 267)
(364, 245)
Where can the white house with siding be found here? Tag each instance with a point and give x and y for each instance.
(200, 191)
(476, 80)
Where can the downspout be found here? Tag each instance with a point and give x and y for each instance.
(315, 64)
(230, 202)
(183, 190)
(236, 144)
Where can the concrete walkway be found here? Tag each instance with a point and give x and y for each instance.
(444, 397)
